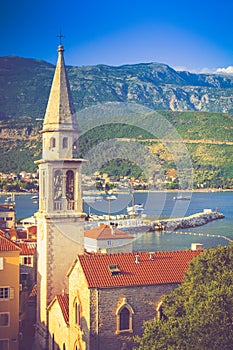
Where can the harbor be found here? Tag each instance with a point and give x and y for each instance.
(158, 207)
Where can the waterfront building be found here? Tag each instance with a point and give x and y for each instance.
(9, 294)
(107, 239)
(60, 218)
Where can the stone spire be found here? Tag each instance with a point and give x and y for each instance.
(60, 113)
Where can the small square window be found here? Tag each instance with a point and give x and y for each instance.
(4, 344)
(27, 260)
(4, 292)
(4, 319)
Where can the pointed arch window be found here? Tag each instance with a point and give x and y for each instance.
(124, 318)
(77, 345)
(52, 142)
(53, 342)
(77, 314)
(159, 311)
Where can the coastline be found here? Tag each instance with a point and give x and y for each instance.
(203, 190)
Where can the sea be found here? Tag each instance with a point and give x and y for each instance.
(158, 205)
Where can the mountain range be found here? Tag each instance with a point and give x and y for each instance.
(121, 103)
(25, 85)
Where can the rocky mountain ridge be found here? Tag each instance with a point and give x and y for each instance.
(25, 86)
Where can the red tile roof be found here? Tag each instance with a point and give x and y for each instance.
(27, 248)
(7, 245)
(164, 267)
(105, 232)
(63, 301)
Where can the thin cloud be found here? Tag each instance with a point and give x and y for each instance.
(204, 70)
(228, 70)
(181, 68)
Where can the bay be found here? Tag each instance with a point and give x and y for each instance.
(159, 205)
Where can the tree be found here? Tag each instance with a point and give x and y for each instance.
(199, 313)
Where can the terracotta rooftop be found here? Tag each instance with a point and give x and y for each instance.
(151, 269)
(106, 232)
(7, 245)
(27, 248)
(63, 301)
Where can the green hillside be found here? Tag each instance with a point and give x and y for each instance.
(208, 139)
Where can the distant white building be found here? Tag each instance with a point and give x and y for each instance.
(107, 239)
(7, 216)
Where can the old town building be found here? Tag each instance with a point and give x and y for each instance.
(9, 294)
(107, 239)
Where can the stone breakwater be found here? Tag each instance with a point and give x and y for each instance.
(195, 220)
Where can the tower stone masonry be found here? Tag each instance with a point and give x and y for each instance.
(60, 218)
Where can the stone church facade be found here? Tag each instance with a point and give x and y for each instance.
(111, 296)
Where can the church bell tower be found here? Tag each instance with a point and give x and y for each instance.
(60, 218)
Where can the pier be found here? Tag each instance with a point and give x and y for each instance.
(194, 220)
(138, 224)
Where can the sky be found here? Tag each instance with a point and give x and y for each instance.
(187, 35)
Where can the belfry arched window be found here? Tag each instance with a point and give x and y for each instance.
(75, 148)
(70, 185)
(124, 320)
(57, 190)
(65, 142)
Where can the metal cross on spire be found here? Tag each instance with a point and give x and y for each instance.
(60, 36)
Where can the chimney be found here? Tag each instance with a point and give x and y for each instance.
(137, 259)
(197, 246)
(112, 227)
(151, 256)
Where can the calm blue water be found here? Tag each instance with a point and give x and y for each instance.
(158, 205)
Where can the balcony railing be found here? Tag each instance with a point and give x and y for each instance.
(68, 205)
(57, 205)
